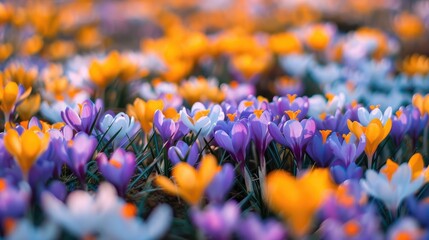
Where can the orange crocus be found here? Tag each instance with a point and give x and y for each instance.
(102, 73)
(190, 183)
(375, 133)
(298, 199)
(416, 164)
(144, 112)
(421, 102)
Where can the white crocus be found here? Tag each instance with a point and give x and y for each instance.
(366, 117)
(319, 105)
(202, 119)
(24, 229)
(392, 191)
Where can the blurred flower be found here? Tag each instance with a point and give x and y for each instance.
(419, 210)
(296, 64)
(10, 96)
(14, 201)
(319, 36)
(190, 183)
(400, 125)
(29, 107)
(405, 228)
(236, 92)
(102, 73)
(25, 76)
(418, 122)
(217, 222)
(408, 26)
(297, 199)
(24, 229)
(119, 169)
(421, 102)
(284, 43)
(221, 184)
(415, 65)
(201, 90)
(254, 228)
(320, 108)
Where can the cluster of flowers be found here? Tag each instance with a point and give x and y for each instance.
(172, 140)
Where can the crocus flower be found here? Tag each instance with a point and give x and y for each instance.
(375, 132)
(190, 182)
(84, 118)
(336, 123)
(10, 95)
(400, 125)
(120, 127)
(169, 130)
(221, 184)
(416, 164)
(294, 135)
(419, 210)
(24, 229)
(296, 64)
(144, 112)
(421, 102)
(253, 228)
(405, 228)
(119, 169)
(182, 151)
(319, 107)
(14, 201)
(366, 117)
(102, 73)
(319, 150)
(392, 187)
(297, 199)
(202, 120)
(217, 222)
(235, 141)
(280, 105)
(417, 123)
(258, 126)
(348, 149)
(25, 148)
(341, 172)
(79, 151)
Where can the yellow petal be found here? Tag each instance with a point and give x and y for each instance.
(389, 169)
(373, 132)
(207, 170)
(416, 164)
(32, 147)
(12, 142)
(166, 185)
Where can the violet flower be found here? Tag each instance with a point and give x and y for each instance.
(119, 169)
(14, 201)
(83, 119)
(79, 152)
(340, 172)
(253, 228)
(336, 123)
(417, 123)
(217, 222)
(182, 152)
(235, 141)
(400, 125)
(258, 123)
(169, 130)
(419, 210)
(349, 149)
(319, 149)
(290, 103)
(295, 135)
(221, 184)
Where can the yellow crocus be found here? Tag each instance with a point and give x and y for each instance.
(421, 102)
(375, 133)
(29, 107)
(298, 199)
(102, 73)
(9, 96)
(190, 183)
(408, 26)
(6, 50)
(25, 148)
(285, 43)
(416, 64)
(199, 90)
(21, 75)
(144, 112)
(318, 38)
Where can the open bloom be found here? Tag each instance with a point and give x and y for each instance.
(144, 112)
(119, 169)
(366, 117)
(294, 135)
(190, 182)
(10, 95)
(375, 132)
(120, 127)
(169, 130)
(297, 199)
(26, 148)
(84, 118)
(254, 228)
(392, 186)
(202, 120)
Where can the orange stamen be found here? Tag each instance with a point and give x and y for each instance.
(258, 112)
(129, 211)
(291, 97)
(372, 107)
(231, 116)
(115, 163)
(351, 228)
(293, 115)
(347, 137)
(248, 103)
(325, 134)
(3, 184)
(330, 96)
(398, 113)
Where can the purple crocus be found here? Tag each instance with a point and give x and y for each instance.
(419, 210)
(258, 122)
(235, 141)
(319, 149)
(217, 222)
(348, 148)
(119, 169)
(14, 201)
(290, 103)
(82, 119)
(295, 135)
(417, 123)
(182, 151)
(221, 184)
(340, 172)
(79, 151)
(400, 125)
(253, 228)
(169, 130)
(335, 123)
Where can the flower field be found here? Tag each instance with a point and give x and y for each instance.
(214, 119)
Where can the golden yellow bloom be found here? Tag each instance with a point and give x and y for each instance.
(375, 133)
(20, 75)
(190, 183)
(102, 73)
(6, 12)
(61, 49)
(318, 38)
(200, 90)
(285, 43)
(144, 112)
(29, 107)
(416, 64)
(421, 102)
(6, 50)
(408, 26)
(298, 199)
(25, 148)
(32, 45)
(88, 37)
(9, 96)
(250, 64)
(379, 37)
